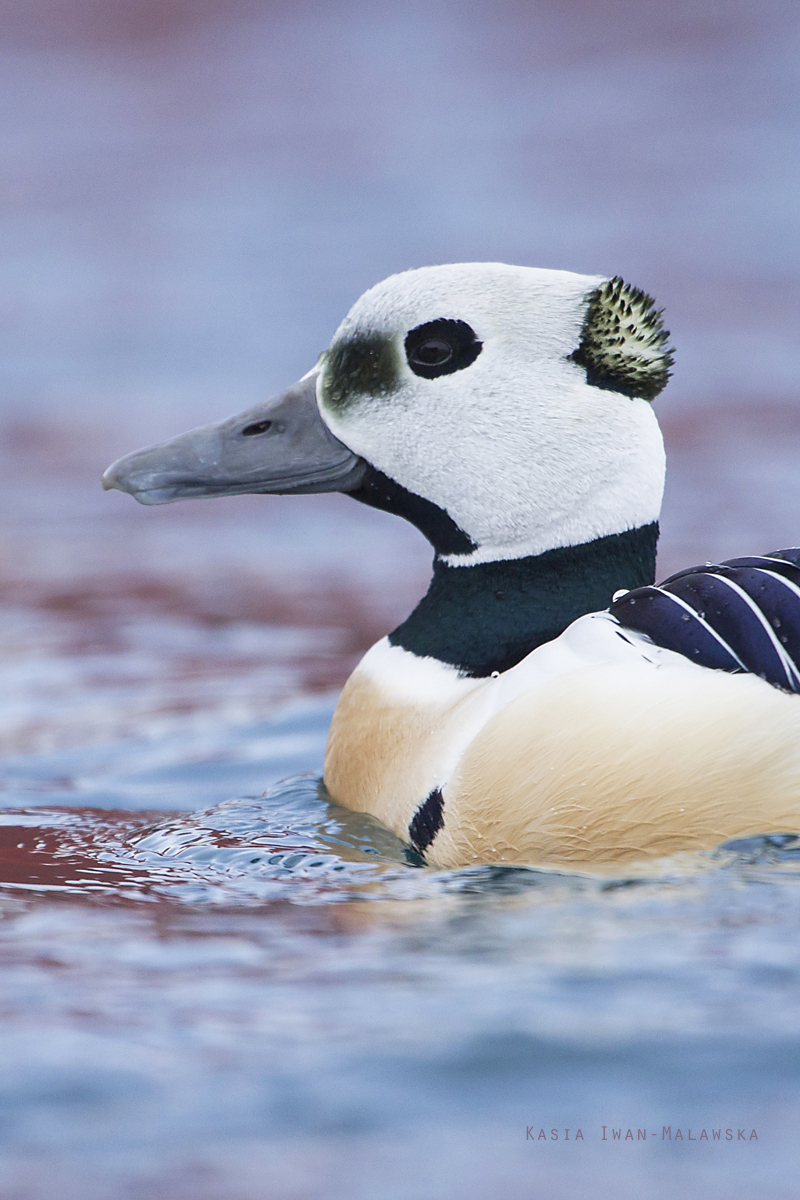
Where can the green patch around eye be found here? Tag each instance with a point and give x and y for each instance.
(366, 364)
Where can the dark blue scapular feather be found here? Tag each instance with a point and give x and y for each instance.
(741, 616)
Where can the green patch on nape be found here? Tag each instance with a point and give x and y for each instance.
(365, 364)
(623, 341)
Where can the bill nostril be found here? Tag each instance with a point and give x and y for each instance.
(256, 428)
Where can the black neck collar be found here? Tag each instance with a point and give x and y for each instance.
(380, 491)
(487, 617)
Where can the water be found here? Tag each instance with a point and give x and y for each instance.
(213, 993)
(267, 997)
(273, 996)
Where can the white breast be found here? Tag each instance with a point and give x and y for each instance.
(404, 723)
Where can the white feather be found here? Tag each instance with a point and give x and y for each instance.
(521, 452)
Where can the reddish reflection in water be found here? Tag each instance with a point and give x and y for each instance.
(64, 851)
(191, 196)
(290, 842)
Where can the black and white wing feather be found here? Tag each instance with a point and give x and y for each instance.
(739, 616)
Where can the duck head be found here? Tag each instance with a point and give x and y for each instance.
(503, 410)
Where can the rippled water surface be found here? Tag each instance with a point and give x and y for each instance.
(268, 997)
(215, 983)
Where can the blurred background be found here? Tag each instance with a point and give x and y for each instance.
(194, 1007)
(193, 193)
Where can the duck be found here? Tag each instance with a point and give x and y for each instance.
(546, 703)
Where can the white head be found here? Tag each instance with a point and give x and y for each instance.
(502, 409)
(506, 416)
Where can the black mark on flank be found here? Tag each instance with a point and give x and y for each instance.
(427, 821)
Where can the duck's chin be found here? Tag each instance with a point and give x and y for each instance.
(537, 476)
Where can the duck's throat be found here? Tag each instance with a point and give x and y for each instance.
(487, 617)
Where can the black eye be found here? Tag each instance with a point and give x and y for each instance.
(441, 347)
(432, 353)
(258, 427)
